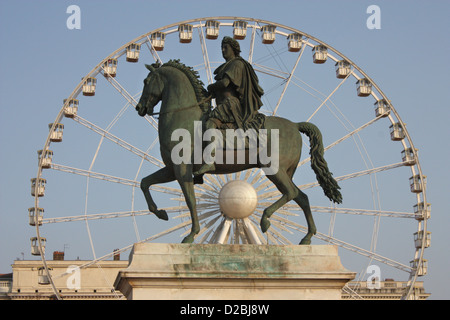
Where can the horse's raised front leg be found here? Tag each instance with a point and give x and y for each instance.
(161, 176)
(183, 173)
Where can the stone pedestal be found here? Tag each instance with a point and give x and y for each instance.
(232, 272)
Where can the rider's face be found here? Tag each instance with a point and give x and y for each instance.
(227, 52)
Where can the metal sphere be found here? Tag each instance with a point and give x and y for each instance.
(238, 199)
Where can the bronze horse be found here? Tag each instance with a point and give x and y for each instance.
(184, 101)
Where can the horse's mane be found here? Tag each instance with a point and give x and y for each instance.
(199, 88)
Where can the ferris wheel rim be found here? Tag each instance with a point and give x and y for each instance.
(119, 52)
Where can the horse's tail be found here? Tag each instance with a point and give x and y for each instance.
(318, 163)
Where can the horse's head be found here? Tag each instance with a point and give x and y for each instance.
(152, 92)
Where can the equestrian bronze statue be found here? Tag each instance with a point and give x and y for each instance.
(185, 104)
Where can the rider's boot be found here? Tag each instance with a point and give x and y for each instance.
(208, 165)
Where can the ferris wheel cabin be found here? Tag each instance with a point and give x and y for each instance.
(42, 276)
(185, 33)
(56, 132)
(421, 211)
(422, 268)
(110, 68)
(45, 158)
(157, 40)
(89, 86)
(343, 69)
(212, 29)
(408, 156)
(268, 34)
(35, 216)
(239, 29)
(320, 54)
(419, 237)
(382, 108)
(294, 41)
(363, 87)
(35, 245)
(415, 183)
(397, 132)
(70, 108)
(38, 187)
(133, 51)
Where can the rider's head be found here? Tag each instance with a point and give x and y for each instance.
(233, 43)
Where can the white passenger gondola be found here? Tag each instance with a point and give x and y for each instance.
(38, 187)
(70, 108)
(419, 237)
(42, 276)
(320, 54)
(268, 34)
(422, 268)
(56, 132)
(408, 156)
(35, 215)
(157, 40)
(89, 86)
(185, 33)
(133, 51)
(397, 132)
(364, 87)
(421, 211)
(110, 68)
(212, 29)
(382, 108)
(239, 29)
(294, 42)
(343, 69)
(35, 245)
(415, 183)
(45, 158)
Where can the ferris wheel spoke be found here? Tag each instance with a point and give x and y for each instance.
(205, 55)
(109, 178)
(120, 142)
(357, 174)
(96, 216)
(288, 81)
(271, 71)
(350, 247)
(348, 135)
(131, 100)
(329, 97)
(152, 50)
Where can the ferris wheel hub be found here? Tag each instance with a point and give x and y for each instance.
(238, 199)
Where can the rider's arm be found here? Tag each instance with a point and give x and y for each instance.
(220, 84)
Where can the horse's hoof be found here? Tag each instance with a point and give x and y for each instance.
(162, 214)
(265, 225)
(305, 241)
(188, 239)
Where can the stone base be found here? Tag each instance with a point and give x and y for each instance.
(232, 272)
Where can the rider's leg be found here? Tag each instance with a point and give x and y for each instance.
(208, 162)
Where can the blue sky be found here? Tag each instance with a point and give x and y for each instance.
(42, 61)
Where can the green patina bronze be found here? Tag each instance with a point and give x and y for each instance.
(184, 101)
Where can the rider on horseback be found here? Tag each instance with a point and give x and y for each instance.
(237, 94)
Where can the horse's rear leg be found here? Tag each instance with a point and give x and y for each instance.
(285, 185)
(161, 176)
(303, 202)
(183, 173)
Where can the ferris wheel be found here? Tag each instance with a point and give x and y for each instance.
(98, 149)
